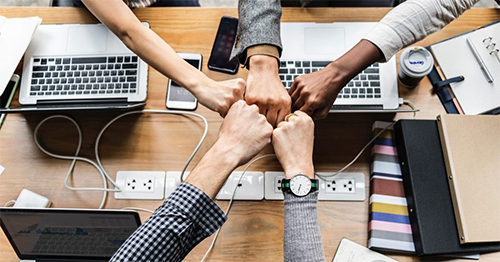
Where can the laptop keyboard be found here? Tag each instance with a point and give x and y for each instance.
(365, 85)
(61, 76)
(88, 241)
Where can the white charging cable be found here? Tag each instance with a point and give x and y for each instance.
(105, 176)
(231, 201)
(324, 176)
(410, 104)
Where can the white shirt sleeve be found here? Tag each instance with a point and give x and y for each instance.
(413, 20)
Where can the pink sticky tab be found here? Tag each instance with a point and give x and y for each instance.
(389, 226)
(385, 150)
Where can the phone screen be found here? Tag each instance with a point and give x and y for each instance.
(223, 45)
(181, 94)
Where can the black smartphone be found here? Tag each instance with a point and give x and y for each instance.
(7, 95)
(223, 45)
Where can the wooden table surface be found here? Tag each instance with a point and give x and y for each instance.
(254, 231)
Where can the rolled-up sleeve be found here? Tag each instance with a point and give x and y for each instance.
(412, 21)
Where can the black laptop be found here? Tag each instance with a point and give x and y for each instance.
(51, 234)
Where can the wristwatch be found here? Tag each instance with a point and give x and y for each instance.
(300, 185)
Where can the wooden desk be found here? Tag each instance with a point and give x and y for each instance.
(254, 231)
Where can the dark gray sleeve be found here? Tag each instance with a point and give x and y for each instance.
(259, 23)
(302, 238)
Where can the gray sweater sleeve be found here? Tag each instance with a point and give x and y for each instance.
(259, 23)
(302, 238)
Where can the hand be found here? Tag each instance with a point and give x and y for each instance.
(243, 133)
(220, 96)
(315, 93)
(293, 142)
(264, 89)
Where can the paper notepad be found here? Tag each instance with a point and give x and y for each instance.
(349, 251)
(455, 58)
(15, 36)
(471, 148)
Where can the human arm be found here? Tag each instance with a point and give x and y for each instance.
(118, 17)
(407, 23)
(189, 215)
(293, 144)
(258, 47)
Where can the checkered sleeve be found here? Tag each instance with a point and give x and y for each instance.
(186, 217)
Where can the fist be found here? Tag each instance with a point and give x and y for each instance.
(244, 132)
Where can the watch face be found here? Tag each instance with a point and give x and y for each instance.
(300, 185)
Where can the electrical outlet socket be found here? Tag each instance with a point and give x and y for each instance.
(140, 185)
(252, 186)
(342, 187)
(272, 186)
(173, 180)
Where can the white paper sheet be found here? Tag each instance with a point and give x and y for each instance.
(15, 36)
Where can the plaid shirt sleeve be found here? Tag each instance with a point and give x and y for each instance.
(187, 217)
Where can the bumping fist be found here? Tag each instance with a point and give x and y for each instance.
(220, 96)
(293, 142)
(244, 132)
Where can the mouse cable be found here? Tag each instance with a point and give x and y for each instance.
(323, 177)
(99, 165)
(231, 201)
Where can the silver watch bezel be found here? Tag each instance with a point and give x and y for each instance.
(294, 180)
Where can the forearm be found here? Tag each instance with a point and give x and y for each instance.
(185, 218)
(145, 43)
(212, 171)
(412, 21)
(352, 63)
(302, 237)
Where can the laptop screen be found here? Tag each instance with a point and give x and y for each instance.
(67, 233)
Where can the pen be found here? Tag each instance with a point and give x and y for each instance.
(485, 70)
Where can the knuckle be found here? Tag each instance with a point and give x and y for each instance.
(240, 82)
(251, 99)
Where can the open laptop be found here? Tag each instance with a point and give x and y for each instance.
(74, 67)
(50, 234)
(308, 47)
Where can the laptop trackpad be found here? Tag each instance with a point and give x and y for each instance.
(86, 39)
(328, 41)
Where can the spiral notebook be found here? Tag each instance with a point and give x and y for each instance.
(455, 58)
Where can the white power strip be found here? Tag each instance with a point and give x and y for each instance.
(251, 186)
(140, 185)
(342, 187)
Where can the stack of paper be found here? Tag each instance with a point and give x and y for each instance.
(15, 36)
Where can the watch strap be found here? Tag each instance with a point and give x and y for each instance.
(285, 185)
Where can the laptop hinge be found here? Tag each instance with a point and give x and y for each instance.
(357, 107)
(83, 101)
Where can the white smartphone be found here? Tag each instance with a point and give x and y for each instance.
(177, 96)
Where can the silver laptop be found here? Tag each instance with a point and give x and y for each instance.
(50, 234)
(81, 66)
(308, 47)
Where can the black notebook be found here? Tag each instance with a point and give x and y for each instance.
(427, 192)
